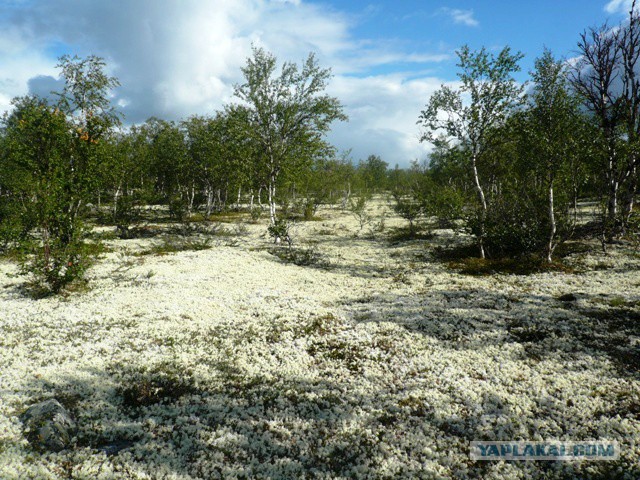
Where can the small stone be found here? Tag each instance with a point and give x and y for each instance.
(115, 447)
(48, 426)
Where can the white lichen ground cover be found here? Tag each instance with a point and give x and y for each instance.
(378, 362)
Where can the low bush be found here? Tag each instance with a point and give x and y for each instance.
(508, 265)
(280, 231)
(298, 256)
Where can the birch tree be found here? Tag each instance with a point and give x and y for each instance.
(288, 114)
(552, 119)
(488, 93)
(596, 78)
(55, 151)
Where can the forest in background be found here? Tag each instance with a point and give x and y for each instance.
(509, 166)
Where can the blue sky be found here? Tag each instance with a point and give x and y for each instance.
(177, 58)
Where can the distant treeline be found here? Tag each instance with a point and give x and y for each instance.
(509, 163)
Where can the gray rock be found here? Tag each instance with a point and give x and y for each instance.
(48, 426)
(116, 446)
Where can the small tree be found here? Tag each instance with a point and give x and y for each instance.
(552, 119)
(374, 173)
(55, 151)
(170, 165)
(358, 208)
(287, 115)
(492, 93)
(409, 207)
(123, 171)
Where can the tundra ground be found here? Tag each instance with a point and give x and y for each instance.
(360, 355)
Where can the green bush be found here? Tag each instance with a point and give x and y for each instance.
(513, 226)
(358, 209)
(279, 231)
(408, 208)
(444, 202)
(177, 208)
(256, 214)
(125, 215)
(56, 264)
(51, 167)
(309, 209)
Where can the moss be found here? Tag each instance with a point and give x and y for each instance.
(322, 325)
(164, 383)
(512, 266)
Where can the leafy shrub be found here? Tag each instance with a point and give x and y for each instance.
(513, 226)
(301, 257)
(444, 202)
(255, 214)
(522, 265)
(309, 209)
(358, 209)
(279, 231)
(177, 208)
(57, 264)
(126, 214)
(408, 208)
(12, 232)
(53, 154)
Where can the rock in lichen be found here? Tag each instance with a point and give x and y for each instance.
(48, 426)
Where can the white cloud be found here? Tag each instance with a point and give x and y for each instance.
(617, 6)
(462, 17)
(175, 59)
(383, 112)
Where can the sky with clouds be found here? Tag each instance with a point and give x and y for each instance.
(175, 58)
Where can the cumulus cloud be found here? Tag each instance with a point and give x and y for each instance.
(462, 17)
(385, 109)
(174, 59)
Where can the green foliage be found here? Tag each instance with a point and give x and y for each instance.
(279, 231)
(57, 265)
(14, 227)
(493, 95)
(255, 214)
(373, 173)
(178, 207)
(527, 265)
(513, 226)
(309, 209)
(408, 208)
(53, 154)
(126, 214)
(446, 203)
(286, 116)
(358, 208)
